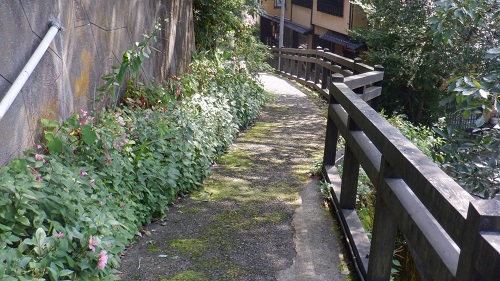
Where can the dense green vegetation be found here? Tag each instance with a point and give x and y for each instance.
(441, 62)
(77, 199)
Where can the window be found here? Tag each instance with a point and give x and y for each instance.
(332, 7)
(303, 3)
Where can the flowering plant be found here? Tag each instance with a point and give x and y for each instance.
(75, 201)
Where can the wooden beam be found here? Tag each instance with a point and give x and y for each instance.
(363, 79)
(424, 232)
(439, 193)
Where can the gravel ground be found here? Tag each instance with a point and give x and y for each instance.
(260, 217)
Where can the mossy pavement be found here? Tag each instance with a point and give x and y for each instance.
(259, 216)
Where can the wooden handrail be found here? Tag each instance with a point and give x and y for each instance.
(451, 235)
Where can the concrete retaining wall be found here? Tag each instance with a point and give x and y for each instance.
(95, 35)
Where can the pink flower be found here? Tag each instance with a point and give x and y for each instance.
(84, 113)
(91, 182)
(59, 235)
(123, 204)
(39, 178)
(102, 203)
(118, 144)
(83, 173)
(120, 121)
(39, 157)
(103, 259)
(92, 243)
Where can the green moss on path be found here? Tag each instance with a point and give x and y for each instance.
(239, 226)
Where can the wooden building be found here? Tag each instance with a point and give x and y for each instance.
(313, 23)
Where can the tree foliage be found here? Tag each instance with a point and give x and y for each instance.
(228, 27)
(399, 38)
(471, 29)
(442, 58)
(216, 20)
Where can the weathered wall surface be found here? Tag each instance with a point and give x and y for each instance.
(95, 35)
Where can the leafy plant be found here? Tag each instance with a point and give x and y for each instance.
(74, 202)
(399, 38)
(130, 67)
(316, 168)
(470, 27)
(324, 188)
(472, 160)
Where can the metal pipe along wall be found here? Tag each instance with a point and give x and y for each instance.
(28, 68)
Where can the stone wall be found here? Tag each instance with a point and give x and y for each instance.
(95, 34)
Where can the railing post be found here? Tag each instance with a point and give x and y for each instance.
(356, 61)
(273, 58)
(325, 73)
(307, 76)
(360, 90)
(317, 67)
(284, 62)
(384, 231)
(332, 132)
(281, 61)
(374, 103)
(291, 63)
(483, 217)
(350, 173)
(298, 64)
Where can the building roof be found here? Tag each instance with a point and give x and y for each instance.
(342, 39)
(290, 24)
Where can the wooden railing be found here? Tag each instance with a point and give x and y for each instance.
(451, 235)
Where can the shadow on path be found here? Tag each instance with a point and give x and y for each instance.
(259, 217)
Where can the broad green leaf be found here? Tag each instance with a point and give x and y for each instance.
(49, 124)
(484, 93)
(24, 220)
(65, 272)
(460, 15)
(40, 235)
(24, 261)
(88, 135)
(480, 121)
(53, 144)
(433, 20)
(469, 92)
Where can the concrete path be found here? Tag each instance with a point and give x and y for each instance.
(316, 244)
(259, 217)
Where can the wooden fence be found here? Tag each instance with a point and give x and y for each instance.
(451, 235)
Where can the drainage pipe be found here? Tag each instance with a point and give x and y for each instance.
(28, 68)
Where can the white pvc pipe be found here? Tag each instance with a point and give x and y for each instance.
(28, 68)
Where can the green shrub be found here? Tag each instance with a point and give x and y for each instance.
(76, 201)
(472, 159)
